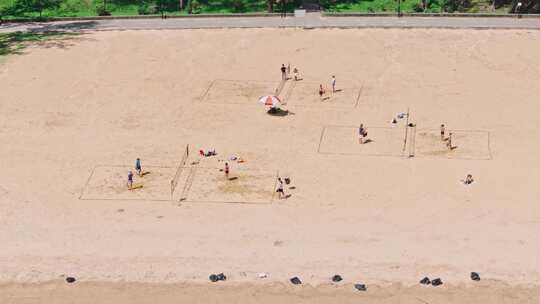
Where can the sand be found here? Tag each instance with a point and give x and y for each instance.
(138, 293)
(369, 213)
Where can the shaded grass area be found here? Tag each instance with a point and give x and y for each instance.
(89, 8)
(15, 43)
(409, 6)
(372, 6)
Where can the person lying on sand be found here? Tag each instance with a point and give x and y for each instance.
(209, 153)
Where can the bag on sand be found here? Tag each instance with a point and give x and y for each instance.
(337, 278)
(296, 281)
(360, 287)
(436, 282)
(475, 276)
(425, 281)
(213, 278)
(221, 277)
(70, 279)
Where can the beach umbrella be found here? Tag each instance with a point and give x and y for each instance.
(270, 101)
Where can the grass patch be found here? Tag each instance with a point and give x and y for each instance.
(407, 6)
(15, 43)
(88, 8)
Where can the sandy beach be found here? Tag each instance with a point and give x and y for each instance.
(77, 112)
(138, 293)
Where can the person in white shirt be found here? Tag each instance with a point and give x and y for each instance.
(280, 188)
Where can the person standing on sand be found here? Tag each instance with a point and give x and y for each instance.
(321, 91)
(227, 170)
(295, 71)
(279, 189)
(449, 141)
(130, 180)
(333, 84)
(442, 132)
(362, 133)
(288, 70)
(138, 167)
(283, 72)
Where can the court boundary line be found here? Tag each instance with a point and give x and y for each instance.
(185, 197)
(352, 87)
(402, 155)
(205, 93)
(358, 97)
(323, 132)
(204, 96)
(87, 183)
(489, 153)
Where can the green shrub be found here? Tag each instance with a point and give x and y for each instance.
(418, 7)
(194, 7)
(238, 6)
(146, 8)
(102, 11)
(71, 7)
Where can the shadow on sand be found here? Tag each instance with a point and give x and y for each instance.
(279, 112)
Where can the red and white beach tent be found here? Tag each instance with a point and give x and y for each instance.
(270, 101)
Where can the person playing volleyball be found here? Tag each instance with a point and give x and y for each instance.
(362, 134)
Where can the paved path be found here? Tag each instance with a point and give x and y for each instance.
(312, 20)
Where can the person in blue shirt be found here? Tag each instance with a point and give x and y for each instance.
(130, 180)
(138, 167)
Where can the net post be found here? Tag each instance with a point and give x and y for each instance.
(174, 181)
(172, 190)
(406, 132)
(412, 142)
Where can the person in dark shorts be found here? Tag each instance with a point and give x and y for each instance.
(130, 180)
(283, 72)
(449, 141)
(442, 132)
(227, 170)
(279, 189)
(321, 91)
(138, 167)
(362, 133)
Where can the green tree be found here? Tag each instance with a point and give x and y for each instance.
(270, 5)
(456, 5)
(32, 6)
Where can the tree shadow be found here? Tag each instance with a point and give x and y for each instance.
(15, 43)
(68, 26)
